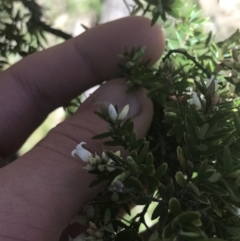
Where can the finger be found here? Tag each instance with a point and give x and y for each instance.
(45, 188)
(46, 80)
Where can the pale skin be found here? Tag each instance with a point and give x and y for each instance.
(43, 190)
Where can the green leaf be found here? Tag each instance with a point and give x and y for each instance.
(237, 89)
(103, 135)
(199, 87)
(210, 90)
(128, 234)
(169, 233)
(114, 157)
(150, 170)
(169, 191)
(202, 147)
(236, 120)
(137, 144)
(181, 158)
(202, 199)
(195, 189)
(227, 159)
(126, 208)
(154, 181)
(163, 217)
(180, 179)
(191, 129)
(202, 170)
(235, 232)
(143, 200)
(98, 180)
(214, 190)
(134, 182)
(155, 18)
(149, 159)
(215, 177)
(143, 153)
(126, 124)
(215, 207)
(112, 143)
(189, 216)
(158, 210)
(174, 206)
(161, 170)
(107, 216)
(203, 130)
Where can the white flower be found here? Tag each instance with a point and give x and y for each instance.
(123, 113)
(209, 81)
(195, 101)
(112, 113)
(81, 152)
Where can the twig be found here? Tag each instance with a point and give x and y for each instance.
(193, 59)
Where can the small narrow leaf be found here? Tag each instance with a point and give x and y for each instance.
(180, 179)
(134, 182)
(181, 158)
(143, 153)
(158, 210)
(203, 130)
(161, 170)
(227, 159)
(103, 135)
(202, 170)
(191, 129)
(174, 206)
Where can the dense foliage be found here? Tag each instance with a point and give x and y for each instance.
(189, 164)
(22, 29)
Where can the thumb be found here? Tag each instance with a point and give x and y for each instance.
(47, 184)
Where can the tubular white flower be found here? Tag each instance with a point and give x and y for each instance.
(81, 152)
(124, 112)
(112, 113)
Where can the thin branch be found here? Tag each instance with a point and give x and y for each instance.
(193, 59)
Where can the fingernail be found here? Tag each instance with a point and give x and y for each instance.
(114, 92)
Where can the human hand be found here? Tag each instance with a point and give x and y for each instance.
(44, 189)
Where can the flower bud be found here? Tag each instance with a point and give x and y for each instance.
(129, 64)
(90, 168)
(112, 113)
(101, 168)
(90, 231)
(98, 234)
(124, 113)
(92, 225)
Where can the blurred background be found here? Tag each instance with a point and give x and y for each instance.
(74, 16)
